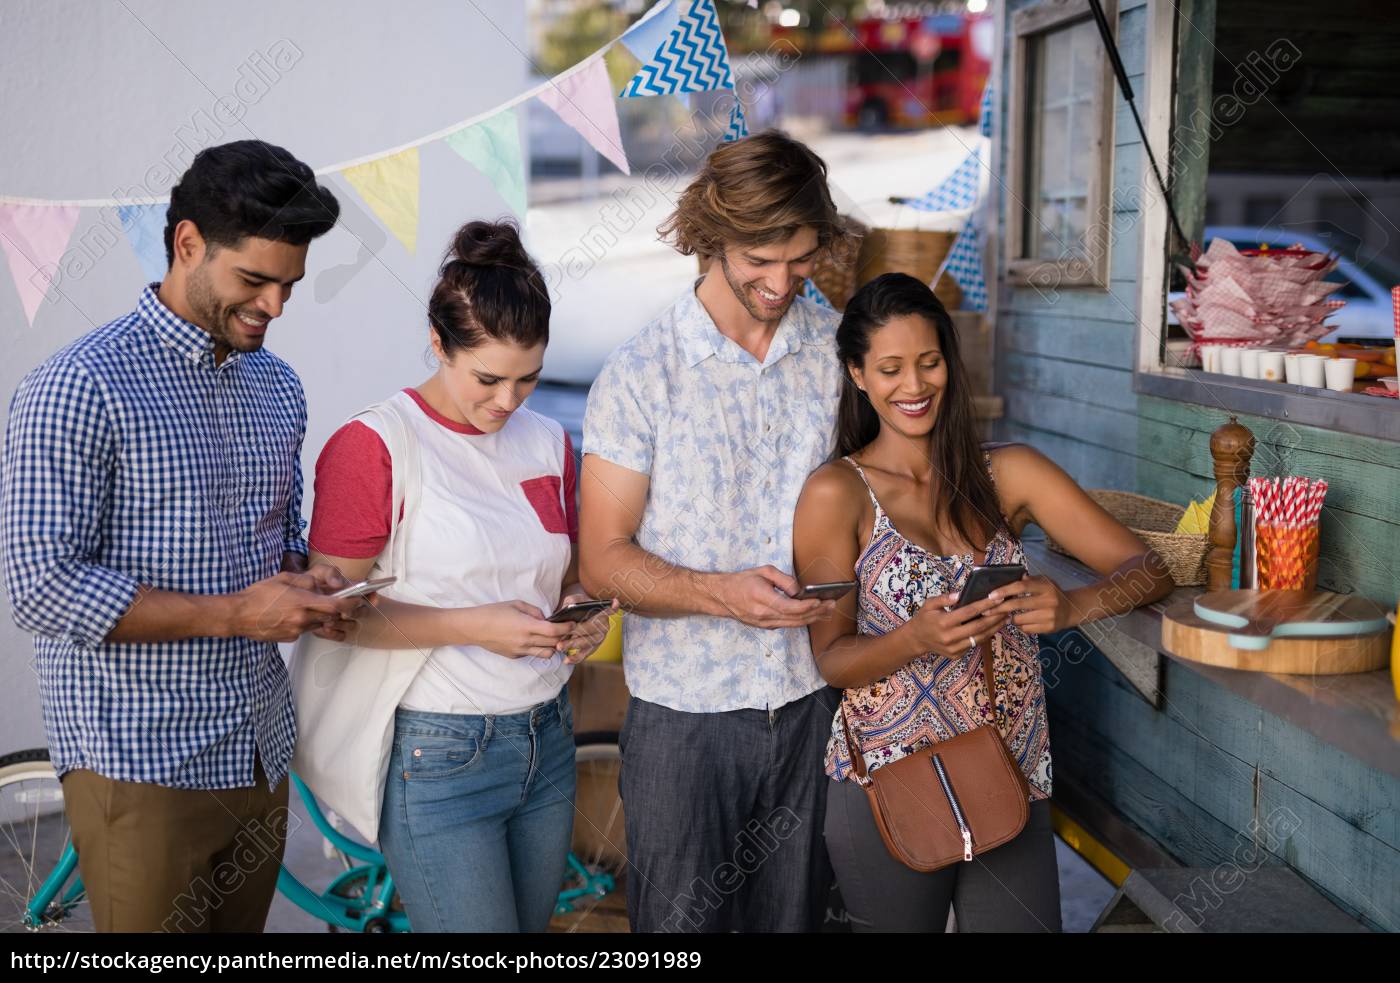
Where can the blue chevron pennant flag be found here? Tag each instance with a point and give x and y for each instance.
(738, 127)
(984, 120)
(692, 59)
(964, 264)
(810, 291)
(645, 37)
(958, 190)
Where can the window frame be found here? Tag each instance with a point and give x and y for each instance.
(1351, 413)
(1023, 270)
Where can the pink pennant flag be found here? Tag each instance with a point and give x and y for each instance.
(34, 237)
(584, 100)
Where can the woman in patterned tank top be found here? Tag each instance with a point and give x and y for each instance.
(910, 504)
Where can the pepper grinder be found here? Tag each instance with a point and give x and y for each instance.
(1231, 448)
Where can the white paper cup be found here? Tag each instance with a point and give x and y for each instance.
(1271, 366)
(1312, 374)
(1249, 363)
(1293, 369)
(1210, 358)
(1341, 373)
(1229, 360)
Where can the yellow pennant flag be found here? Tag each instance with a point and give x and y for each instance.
(389, 186)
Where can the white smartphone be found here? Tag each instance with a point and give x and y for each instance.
(364, 587)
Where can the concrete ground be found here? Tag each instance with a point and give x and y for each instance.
(1083, 891)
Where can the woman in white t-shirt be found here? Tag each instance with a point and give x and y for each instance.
(478, 804)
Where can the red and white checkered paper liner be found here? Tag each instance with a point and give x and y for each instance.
(1274, 298)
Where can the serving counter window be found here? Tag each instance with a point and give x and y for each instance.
(1282, 146)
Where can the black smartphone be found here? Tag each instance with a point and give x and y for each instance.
(581, 611)
(983, 580)
(825, 592)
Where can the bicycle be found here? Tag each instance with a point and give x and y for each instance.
(362, 898)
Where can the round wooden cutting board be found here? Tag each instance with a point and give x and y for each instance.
(1188, 636)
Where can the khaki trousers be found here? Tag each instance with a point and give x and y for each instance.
(158, 859)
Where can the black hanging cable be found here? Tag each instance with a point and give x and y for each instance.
(1127, 89)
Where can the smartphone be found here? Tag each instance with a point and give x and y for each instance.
(365, 587)
(983, 580)
(581, 611)
(825, 592)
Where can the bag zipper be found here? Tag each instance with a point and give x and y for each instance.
(957, 807)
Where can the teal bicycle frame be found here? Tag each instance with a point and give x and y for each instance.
(369, 909)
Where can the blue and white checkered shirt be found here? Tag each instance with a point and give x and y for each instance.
(131, 459)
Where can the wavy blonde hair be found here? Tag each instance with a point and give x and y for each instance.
(756, 191)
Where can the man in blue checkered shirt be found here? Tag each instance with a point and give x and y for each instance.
(150, 514)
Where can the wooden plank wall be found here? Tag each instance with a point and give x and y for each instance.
(1208, 772)
(1065, 356)
(1218, 781)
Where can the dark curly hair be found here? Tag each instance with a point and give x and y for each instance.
(249, 188)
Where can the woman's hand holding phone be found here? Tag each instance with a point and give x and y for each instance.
(1035, 605)
(515, 629)
(941, 629)
(585, 636)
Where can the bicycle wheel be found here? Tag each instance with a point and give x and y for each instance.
(592, 898)
(34, 838)
(599, 838)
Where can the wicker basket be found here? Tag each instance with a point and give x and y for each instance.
(917, 252)
(1153, 522)
(837, 280)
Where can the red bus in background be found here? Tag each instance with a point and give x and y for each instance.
(909, 72)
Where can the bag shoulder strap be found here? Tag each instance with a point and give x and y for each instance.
(406, 482)
(858, 757)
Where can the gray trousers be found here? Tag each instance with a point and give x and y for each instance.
(724, 817)
(1014, 888)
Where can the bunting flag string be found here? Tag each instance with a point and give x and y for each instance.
(144, 226)
(738, 127)
(964, 265)
(493, 148)
(33, 238)
(812, 293)
(678, 42)
(958, 190)
(389, 186)
(584, 101)
(692, 58)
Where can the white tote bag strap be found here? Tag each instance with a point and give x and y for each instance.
(407, 482)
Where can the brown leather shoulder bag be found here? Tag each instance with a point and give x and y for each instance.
(949, 801)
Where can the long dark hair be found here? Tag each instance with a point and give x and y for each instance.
(489, 287)
(966, 495)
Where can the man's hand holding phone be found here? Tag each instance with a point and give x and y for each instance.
(764, 597)
(283, 607)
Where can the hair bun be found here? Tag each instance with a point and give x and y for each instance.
(488, 244)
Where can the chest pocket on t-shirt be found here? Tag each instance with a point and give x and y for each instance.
(543, 495)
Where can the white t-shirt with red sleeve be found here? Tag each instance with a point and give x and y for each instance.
(497, 522)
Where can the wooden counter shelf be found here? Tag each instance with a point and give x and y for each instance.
(1356, 713)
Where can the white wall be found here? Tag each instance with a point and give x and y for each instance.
(93, 93)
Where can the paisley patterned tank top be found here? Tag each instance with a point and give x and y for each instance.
(933, 698)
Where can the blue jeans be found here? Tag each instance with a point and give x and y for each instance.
(478, 812)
